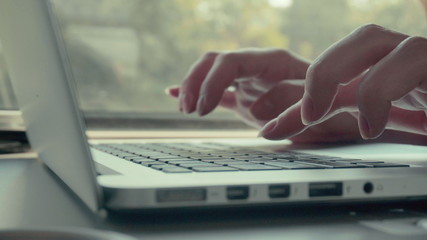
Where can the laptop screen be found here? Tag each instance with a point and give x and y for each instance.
(125, 53)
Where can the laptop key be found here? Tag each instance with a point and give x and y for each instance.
(212, 158)
(330, 164)
(151, 164)
(138, 158)
(171, 157)
(381, 165)
(254, 167)
(281, 157)
(249, 158)
(176, 170)
(199, 164)
(176, 162)
(352, 160)
(227, 162)
(335, 164)
(160, 166)
(293, 165)
(214, 169)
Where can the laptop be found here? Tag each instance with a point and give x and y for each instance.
(143, 174)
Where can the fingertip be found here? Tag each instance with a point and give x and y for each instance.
(311, 110)
(268, 129)
(374, 113)
(201, 106)
(206, 104)
(307, 108)
(370, 129)
(187, 103)
(172, 91)
(364, 127)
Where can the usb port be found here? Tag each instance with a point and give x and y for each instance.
(279, 191)
(325, 189)
(237, 193)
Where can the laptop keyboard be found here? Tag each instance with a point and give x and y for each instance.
(213, 157)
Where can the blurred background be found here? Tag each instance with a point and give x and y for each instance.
(125, 53)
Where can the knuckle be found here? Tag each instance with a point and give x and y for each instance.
(370, 30)
(210, 55)
(188, 82)
(228, 58)
(316, 71)
(282, 55)
(280, 52)
(417, 43)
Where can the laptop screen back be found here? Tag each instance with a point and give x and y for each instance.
(41, 81)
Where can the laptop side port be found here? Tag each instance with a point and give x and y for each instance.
(325, 189)
(368, 187)
(279, 191)
(237, 193)
(181, 195)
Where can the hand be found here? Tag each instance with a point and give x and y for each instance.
(251, 74)
(254, 105)
(377, 75)
(264, 86)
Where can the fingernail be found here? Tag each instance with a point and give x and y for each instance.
(181, 102)
(201, 105)
(307, 110)
(365, 129)
(268, 128)
(172, 91)
(188, 103)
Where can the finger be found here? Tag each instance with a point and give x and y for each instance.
(270, 66)
(228, 100)
(191, 85)
(276, 100)
(409, 115)
(407, 121)
(286, 125)
(411, 118)
(341, 63)
(344, 101)
(414, 101)
(172, 91)
(396, 75)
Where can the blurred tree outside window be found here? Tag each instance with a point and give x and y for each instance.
(125, 53)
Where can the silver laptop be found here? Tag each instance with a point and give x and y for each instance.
(126, 175)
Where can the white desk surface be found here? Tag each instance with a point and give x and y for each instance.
(31, 197)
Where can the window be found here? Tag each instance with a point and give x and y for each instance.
(125, 53)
